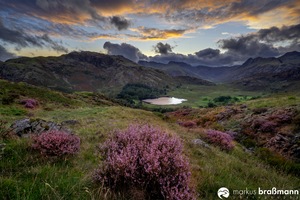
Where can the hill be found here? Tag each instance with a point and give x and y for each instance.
(25, 174)
(82, 71)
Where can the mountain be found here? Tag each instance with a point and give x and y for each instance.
(253, 74)
(213, 74)
(83, 71)
(274, 73)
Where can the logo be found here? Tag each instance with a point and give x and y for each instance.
(223, 192)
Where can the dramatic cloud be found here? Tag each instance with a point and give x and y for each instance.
(126, 50)
(21, 39)
(208, 53)
(261, 43)
(157, 34)
(210, 13)
(163, 48)
(120, 22)
(249, 46)
(237, 49)
(41, 23)
(5, 55)
(198, 13)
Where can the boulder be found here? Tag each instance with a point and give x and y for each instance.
(25, 127)
(199, 142)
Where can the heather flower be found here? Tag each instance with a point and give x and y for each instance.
(221, 139)
(147, 158)
(188, 124)
(30, 103)
(56, 143)
(264, 125)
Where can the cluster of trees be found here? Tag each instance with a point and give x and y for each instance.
(222, 100)
(139, 91)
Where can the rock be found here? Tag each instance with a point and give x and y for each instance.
(24, 127)
(199, 142)
(21, 126)
(248, 150)
(286, 145)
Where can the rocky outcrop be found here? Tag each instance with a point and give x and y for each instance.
(286, 145)
(25, 127)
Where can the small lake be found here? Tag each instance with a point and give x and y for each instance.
(164, 101)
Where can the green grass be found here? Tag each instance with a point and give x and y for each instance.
(24, 174)
(200, 95)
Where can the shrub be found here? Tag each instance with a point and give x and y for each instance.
(188, 124)
(30, 103)
(148, 159)
(56, 143)
(264, 125)
(221, 139)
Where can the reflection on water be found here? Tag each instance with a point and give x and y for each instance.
(165, 101)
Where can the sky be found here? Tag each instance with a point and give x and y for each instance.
(198, 32)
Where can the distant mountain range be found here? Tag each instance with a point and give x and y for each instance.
(90, 71)
(254, 73)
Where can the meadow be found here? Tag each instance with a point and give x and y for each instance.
(25, 174)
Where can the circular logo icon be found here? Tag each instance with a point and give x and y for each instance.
(223, 192)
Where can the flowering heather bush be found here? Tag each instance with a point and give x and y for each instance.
(264, 125)
(221, 139)
(188, 124)
(56, 143)
(282, 117)
(30, 103)
(146, 158)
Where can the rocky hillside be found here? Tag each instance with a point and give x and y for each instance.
(268, 72)
(82, 71)
(255, 73)
(213, 74)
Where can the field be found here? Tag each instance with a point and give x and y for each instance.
(27, 175)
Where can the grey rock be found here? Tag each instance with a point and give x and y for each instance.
(25, 127)
(199, 142)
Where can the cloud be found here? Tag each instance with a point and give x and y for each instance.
(262, 43)
(73, 12)
(128, 51)
(199, 13)
(248, 46)
(120, 22)
(163, 48)
(5, 55)
(54, 45)
(275, 34)
(158, 34)
(21, 39)
(208, 53)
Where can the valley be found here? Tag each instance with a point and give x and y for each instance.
(262, 122)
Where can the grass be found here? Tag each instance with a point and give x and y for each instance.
(24, 174)
(201, 95)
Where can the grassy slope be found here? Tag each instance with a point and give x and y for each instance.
(201, 95)
(26, 175)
